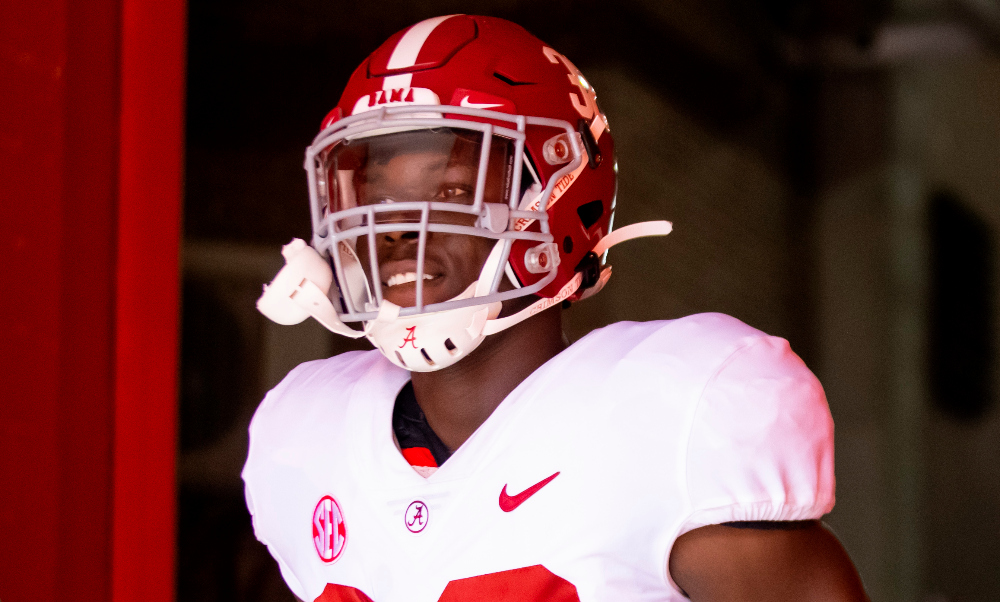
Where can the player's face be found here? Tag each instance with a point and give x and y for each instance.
(424, 166)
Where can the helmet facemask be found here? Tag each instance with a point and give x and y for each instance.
(417, 214)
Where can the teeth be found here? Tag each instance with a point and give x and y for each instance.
(405, 278)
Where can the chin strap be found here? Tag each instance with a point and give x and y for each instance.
(315, 302)
(655, 228)
(299, 290)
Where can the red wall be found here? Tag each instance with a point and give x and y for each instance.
(91, 109)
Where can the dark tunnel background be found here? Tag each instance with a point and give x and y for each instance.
(833, 174)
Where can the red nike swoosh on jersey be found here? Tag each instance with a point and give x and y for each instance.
(510, 502)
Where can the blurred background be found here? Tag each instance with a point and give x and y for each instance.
(832, 169)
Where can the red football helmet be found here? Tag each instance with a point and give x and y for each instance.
(490, 63)
(521, 127)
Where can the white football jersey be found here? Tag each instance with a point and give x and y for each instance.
(574, 489)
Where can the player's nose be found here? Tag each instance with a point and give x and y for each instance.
(399, 217)
(405, 236)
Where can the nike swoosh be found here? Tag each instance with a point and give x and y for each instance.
(475, 105)
(510, 502)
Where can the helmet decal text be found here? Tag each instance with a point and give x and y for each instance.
(395, 97)
(585, 102)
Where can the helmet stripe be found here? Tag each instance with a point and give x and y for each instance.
(406, 51)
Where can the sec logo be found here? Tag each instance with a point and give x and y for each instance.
(329, 530)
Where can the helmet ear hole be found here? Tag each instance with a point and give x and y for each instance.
(567, 245)
(589, 213)
(449, 346)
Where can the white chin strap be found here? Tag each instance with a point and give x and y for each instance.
(656, 228)
(425, 342)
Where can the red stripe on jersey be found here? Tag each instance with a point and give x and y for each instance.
(342, 593)
(528, 584)
(419, 456)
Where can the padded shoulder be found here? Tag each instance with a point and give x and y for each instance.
(758, 437)
(314, 395)
(301, 425)
(340, 369)
(761, 442)
(705, 337)
(664, 362)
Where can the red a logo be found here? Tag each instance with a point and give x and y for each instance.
(416, 516)
(411, 337)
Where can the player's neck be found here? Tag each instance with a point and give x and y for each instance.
(458, 399)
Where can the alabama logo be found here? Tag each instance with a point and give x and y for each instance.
(329, 530)
(411, 337)
(416, 516)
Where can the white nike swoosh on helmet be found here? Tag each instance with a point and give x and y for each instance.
(476, 105)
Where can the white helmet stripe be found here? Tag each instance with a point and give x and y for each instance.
(406, 51)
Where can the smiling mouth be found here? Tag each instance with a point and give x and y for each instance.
(405, 278)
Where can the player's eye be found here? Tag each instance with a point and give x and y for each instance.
(455, 194)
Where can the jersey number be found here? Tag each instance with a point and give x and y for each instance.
(528, 584)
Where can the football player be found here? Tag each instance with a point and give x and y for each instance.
(462, 190)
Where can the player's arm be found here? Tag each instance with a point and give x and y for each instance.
(795, 561)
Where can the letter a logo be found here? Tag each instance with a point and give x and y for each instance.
(411, 337)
